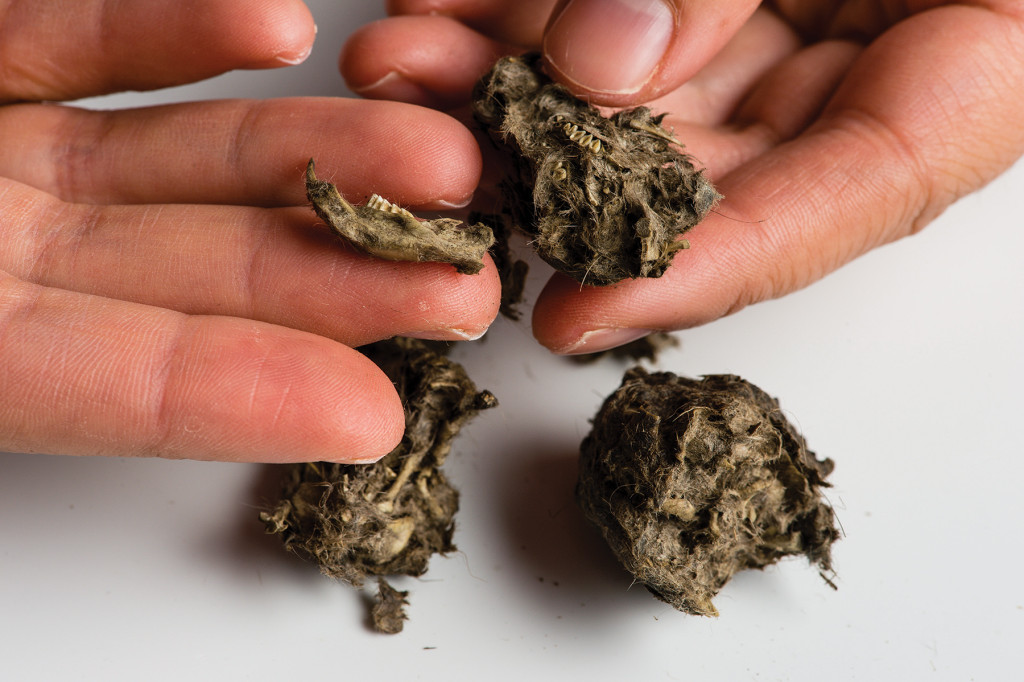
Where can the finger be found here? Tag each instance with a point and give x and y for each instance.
(52, 50)
(244, 152)
(626, 52)
(885, 159)
(865, 21)
(861, 21)
(429, 60)
(91, 376)
(782, 105)
(789, 97)
(519, 23)
(711, 96)
(271, 265)
(435, 61)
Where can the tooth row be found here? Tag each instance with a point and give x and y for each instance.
(381, 204)
(582, 137)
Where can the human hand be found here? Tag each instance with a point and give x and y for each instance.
(830, 127)
(163, 287)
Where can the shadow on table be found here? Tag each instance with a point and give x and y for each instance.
(565, 558)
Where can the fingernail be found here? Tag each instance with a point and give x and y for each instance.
(452, 205)
(283, 59)
(298, 57)
(609, 46)
(450, 334)
(598, 340)
(293, 60)
(394, 86)
(369, 460)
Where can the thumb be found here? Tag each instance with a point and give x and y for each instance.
(626, 52)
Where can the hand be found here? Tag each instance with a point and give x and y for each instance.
(830, 127)
(164, 287)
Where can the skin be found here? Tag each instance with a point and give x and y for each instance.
(830, 127)
(181, 300)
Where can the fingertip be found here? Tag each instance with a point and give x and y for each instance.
(373, 423)
(445, 160)
(346, 409)
(93, 48)
(247, 391)
(571, 319)
(412, 156)
(278, 33)
(367, 65)
(478, 299)
(555, 322)
(441, 158)
(456, 307)
(428, 60)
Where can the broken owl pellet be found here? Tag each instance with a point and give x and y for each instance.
(602, 199)
(392, 516)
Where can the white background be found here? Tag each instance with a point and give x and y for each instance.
(904, 367)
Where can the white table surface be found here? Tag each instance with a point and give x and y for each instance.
(905, 367)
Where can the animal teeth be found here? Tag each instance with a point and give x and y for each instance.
(381, 204)
(582, 137)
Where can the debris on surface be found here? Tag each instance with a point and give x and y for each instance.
(388, 610)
